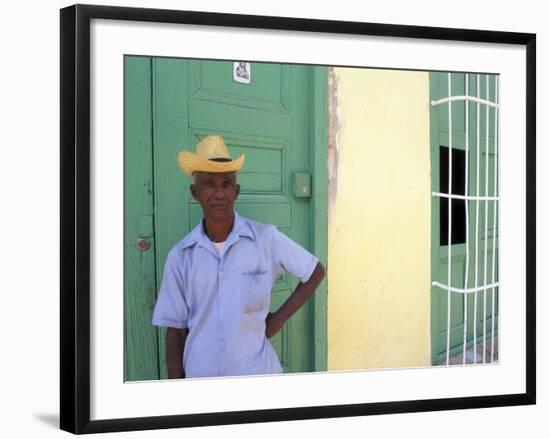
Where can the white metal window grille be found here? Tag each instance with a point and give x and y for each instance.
(475, 286)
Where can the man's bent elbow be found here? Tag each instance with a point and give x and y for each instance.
(322, 270)
(318, 274)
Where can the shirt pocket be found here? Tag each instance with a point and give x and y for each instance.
(256, 291)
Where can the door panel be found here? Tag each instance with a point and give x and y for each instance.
(141, 346)
(170, 115)
(258, 121)
(212, 80)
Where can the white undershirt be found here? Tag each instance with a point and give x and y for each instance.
(219, 246)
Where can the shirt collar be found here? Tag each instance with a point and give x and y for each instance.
(241, 227)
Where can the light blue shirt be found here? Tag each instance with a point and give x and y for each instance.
(224, 299)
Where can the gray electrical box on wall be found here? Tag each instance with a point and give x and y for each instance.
(301, 184)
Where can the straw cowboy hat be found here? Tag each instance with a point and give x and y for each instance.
(211, 156)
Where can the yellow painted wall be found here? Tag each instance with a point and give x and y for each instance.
(379, 220)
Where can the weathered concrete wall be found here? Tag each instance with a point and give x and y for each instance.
(379, 219)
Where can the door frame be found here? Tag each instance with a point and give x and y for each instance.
(319, 151)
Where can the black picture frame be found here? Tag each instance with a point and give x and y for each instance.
(75, 217)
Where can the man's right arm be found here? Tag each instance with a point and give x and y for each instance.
(175, 344)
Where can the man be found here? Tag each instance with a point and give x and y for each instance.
(216, 287)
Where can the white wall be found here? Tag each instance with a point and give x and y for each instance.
(30, 206)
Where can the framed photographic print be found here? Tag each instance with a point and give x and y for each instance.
(284, 218)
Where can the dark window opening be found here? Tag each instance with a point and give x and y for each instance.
(458, 207)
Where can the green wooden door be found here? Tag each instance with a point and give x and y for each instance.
(468, 218)
(272, 121)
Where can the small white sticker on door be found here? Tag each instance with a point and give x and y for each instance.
(241, 72)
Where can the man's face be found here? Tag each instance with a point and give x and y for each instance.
(216, 192)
